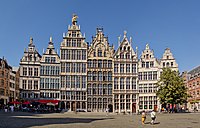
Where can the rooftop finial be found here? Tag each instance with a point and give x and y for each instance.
(74, 19)
(147, 46)
(119, 39)
(31, 40)
(125, 32)
(50, 40)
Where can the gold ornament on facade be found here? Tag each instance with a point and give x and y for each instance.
(74, 19)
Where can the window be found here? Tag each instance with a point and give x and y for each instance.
(83, 68)
(94, 54)
(24, 71)
(89, 63)
(99, 63)
(133, 68)
(172, 64)
(83, 54)
(133, 83)
(116, 68)
(73, 33)
(94, 76)
(147, 64)
(78, 55)
(83, 81)
(99, 53)
(105, 63)
(151, 64)
(116, 83)
(100, 76)
(68, 68)
(73, 54)
(105, 76)
(121, 68)
(109, 63)
(121, 83)
(89, 76)
(30, 71)
(127, 68)
(140, 76)
(163, 64)
(127, 83)
(110, 76)
(78, 42)
(121, 56)
(94, 63)
(68, 42)
(143, 64)
(149, 75)
(35, 71)
(24, 84)
(145, 76)
(154, 75)
(127, 56)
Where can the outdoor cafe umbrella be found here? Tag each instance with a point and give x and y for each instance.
(50, 104)
(14, 102)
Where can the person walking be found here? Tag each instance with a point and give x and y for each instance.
(107, 110)
(153, 117)
(143, 117)
(12, 108)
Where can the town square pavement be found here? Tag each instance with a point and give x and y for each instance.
(95, 120)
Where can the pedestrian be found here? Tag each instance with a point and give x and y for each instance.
(6, 108)
(143, 117)
(12, 108)
(153, 117)
(107, 110)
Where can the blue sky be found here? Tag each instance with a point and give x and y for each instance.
(161, 23)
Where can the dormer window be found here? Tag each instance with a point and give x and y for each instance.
(99, 53)
(124, 48)
(128, 48)
(73, 34)
(167, 57)
(147, 56)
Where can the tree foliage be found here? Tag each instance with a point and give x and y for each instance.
(171, 89)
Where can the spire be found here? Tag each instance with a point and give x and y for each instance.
(131, 41)
(147, 46)
(31, 40)
(125, 32)
(119, 39)
(50, 39)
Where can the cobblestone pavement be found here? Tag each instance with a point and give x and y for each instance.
(96, 120)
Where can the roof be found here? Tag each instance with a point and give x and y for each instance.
(194, 71)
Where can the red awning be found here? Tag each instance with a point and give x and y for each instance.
(48, 101)
(27, 102)
(14, 102)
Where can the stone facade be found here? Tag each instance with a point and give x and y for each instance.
(125, 89)
(30, 73)
(73, 51)
(100, 71)
(50, 73)
(94, 77)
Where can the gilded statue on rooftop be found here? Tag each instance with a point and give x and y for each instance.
(74, 19)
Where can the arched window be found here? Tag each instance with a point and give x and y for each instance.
(99, 53)
(116, 83)
(100, 76)
(109, 76)
(121, 83)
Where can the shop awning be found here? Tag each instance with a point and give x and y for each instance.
(48, 101)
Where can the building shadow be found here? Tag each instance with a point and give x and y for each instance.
(29, 120)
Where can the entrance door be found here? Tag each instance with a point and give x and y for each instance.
(134, 108)
(110, 106)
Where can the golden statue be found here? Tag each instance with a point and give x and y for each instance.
(74, 19)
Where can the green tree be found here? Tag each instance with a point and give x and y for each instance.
(171, 89)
